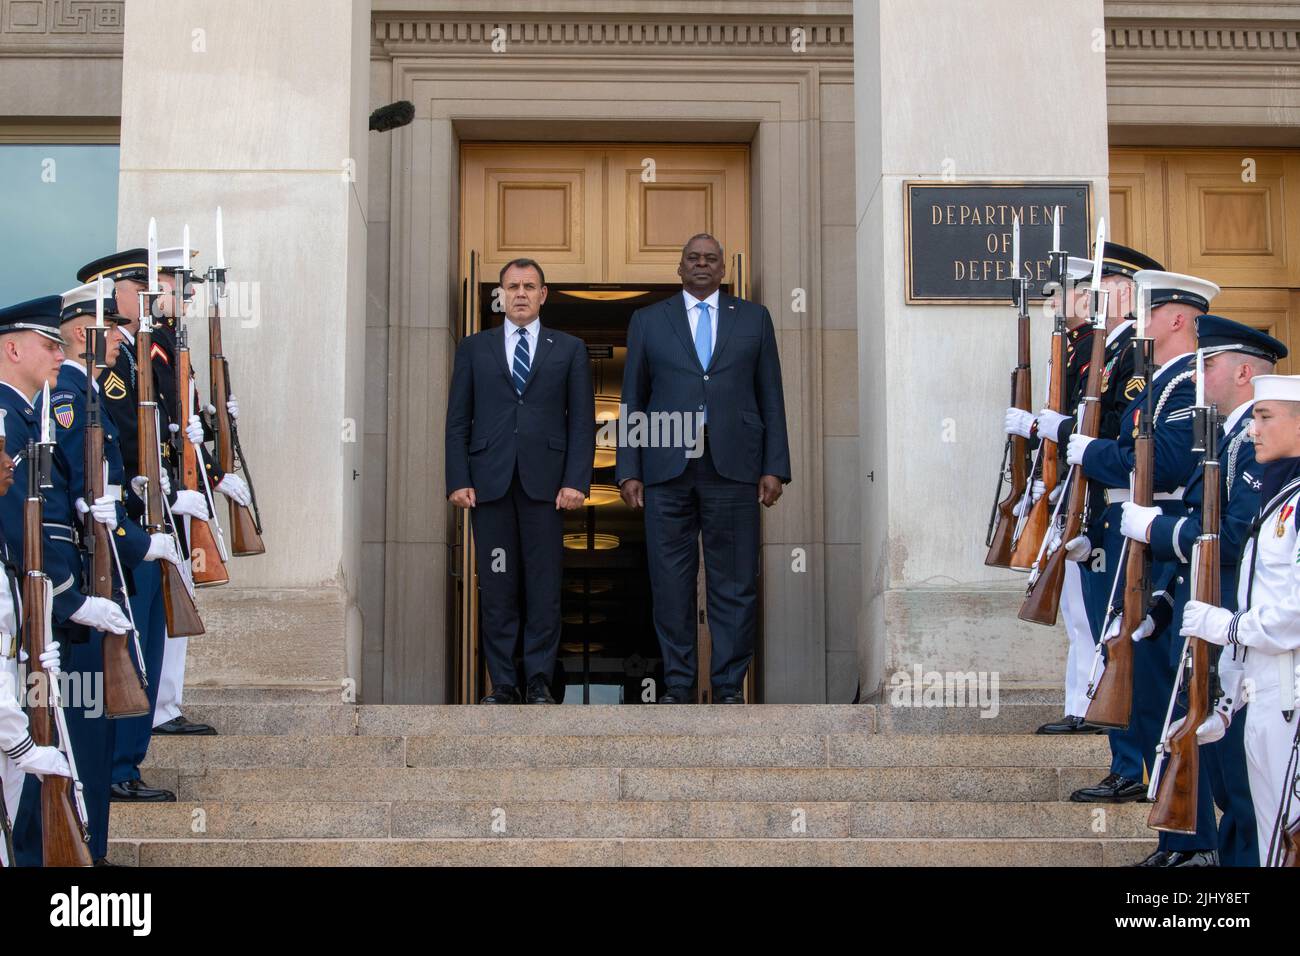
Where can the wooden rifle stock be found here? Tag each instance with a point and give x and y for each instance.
(244, 536)
(1043, 598)
(124, 691)
(1175, 805)
(1291, 845)
(1034, 530)
(1000, 549)
(64, 841)
(182, 616)
(205, 557)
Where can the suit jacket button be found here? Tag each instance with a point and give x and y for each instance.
(706, 378)
(521, 401)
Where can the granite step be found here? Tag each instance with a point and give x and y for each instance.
(511, 851)
(631, 750)
(637, 819)
(281, 784)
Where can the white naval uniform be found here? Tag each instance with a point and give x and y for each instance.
(1258, 665)
(1082, 648)
(15, 738)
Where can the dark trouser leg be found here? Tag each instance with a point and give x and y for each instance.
(729, 522)
(131, 735)
(672, 529)
(498, 558)
(541, 533)
(89, 730)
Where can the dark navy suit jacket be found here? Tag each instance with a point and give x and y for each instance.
(741, 386)
(549, 431)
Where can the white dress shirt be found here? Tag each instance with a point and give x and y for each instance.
(693, 314)
(512, 340)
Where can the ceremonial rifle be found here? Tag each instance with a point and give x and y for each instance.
(245, 523)
(1033, 528)
(1175, 791)
(1047, 579)
(65, 838)
(124, 686)
(1112, 696)
(1015, 452)
(182, 616)
(207, 551)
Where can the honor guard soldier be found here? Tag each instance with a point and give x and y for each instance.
(1258, 664)
(1176, 301)
(29, 342)
(130, 271)
(1233, 356)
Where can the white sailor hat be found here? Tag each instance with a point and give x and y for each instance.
(81, 301)
(1277, 388)
(169, 260)
(1164, 287)
(1077, 269)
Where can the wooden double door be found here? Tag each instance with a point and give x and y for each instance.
(1230, 216)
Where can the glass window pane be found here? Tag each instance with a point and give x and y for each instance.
(58, 211)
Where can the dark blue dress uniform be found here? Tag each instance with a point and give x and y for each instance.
(1109, 463)
(1223, 763)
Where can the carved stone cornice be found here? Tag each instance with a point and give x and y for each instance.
(1240, 41)
(824, 37)
(60, 27)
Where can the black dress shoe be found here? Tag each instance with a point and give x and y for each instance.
(179, 725)
(728, 696)
(1069, 725)
(502, 694)
(675, 695)
(538, 692)
(1114, 789)
(1157, 859)
(1193, 858)
(136, 791)
(103, 861)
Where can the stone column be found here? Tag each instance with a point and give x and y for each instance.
(1002, 90)
(261, 108)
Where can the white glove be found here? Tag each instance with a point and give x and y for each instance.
(1018, 422)
(43, 760)
(1049, 424)
(102, 614)
(232, 406)
(165, 483)
(1055, 496)
(50, 658)
(1210, 731)
(1144, 630)
(1075, 449)
(234, 488)
(190, 503)
(1136, 522)
(1078, 549)
(162, 546)
(1024, 505)
(194, 430)
(1207, 622)
(104, 510)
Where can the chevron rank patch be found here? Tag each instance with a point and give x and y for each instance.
(114, 387)
(158, 352)
(1133, 387)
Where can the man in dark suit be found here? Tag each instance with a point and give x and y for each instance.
(708, 360)
(521, 435)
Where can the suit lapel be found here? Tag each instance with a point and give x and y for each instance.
(497, 341)
(726, 323)
(676, 306)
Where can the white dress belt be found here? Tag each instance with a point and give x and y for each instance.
(1116, 496)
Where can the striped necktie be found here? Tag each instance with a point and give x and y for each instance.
(519, 370)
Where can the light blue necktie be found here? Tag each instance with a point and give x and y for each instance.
(704, 343)
(519, 371)
(704, 336)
